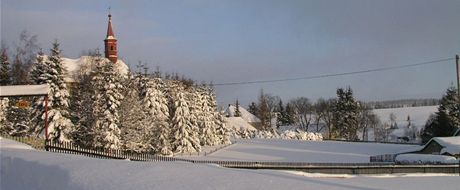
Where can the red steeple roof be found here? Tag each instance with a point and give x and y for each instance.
(109, 28)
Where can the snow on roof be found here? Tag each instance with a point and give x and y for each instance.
(248, 117)
(24, 90)
(451, 144)
(85, 64)
(239, 123)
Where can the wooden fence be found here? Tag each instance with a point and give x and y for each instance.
(330, 168)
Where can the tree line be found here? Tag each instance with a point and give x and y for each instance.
(344, 117)
(102, 108)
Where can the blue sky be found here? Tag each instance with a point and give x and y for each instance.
(247, 40)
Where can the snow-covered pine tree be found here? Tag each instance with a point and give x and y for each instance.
(346, 114)
(206, 117)
(136, 126)
(107, 96)
(156, 105)
(223, 133)
(5, 69)
(81, 107)
(185, 135)
(194, 105)
(5, 79)
(51, 71)
(16, 121)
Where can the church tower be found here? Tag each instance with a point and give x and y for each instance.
(110, 43)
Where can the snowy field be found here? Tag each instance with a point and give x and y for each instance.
(418, 115)
(303, 151)
(23, 168)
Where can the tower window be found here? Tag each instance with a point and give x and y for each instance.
(111, 47)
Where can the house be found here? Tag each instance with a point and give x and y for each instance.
(449, 146)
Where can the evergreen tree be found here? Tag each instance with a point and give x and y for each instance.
(156, 104)
(207, 118)
(185, 137)
(253, 108)
(5, 70)
(51, 71)
(346, 114)
(81, 107)
(237, 109)
(107, 97)
(15, 120)
(136, 125)
(223, 133)
(446, 120)
(281, 118)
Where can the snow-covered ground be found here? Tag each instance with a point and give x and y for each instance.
(24, 168)
(304, 151)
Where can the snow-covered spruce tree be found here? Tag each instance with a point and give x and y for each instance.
(206, 117)
(5, 69)
(346, 114)
(49, 70)
(5, 79)
(107, 96)
(156, 105)
(16, 121)
(223, 133)
(136, 126)
(81, 107)
(185, 135)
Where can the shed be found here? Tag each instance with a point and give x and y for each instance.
(442, 146)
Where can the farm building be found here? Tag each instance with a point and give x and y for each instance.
(442, 146)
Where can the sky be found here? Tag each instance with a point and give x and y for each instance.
(249, 40)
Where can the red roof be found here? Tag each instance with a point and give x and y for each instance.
(109, 28)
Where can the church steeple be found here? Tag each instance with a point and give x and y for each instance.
(110, 43)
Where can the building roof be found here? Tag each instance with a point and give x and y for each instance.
(24, 90)
(85, 64)
(450, 145)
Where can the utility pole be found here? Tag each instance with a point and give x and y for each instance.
(458, 77)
